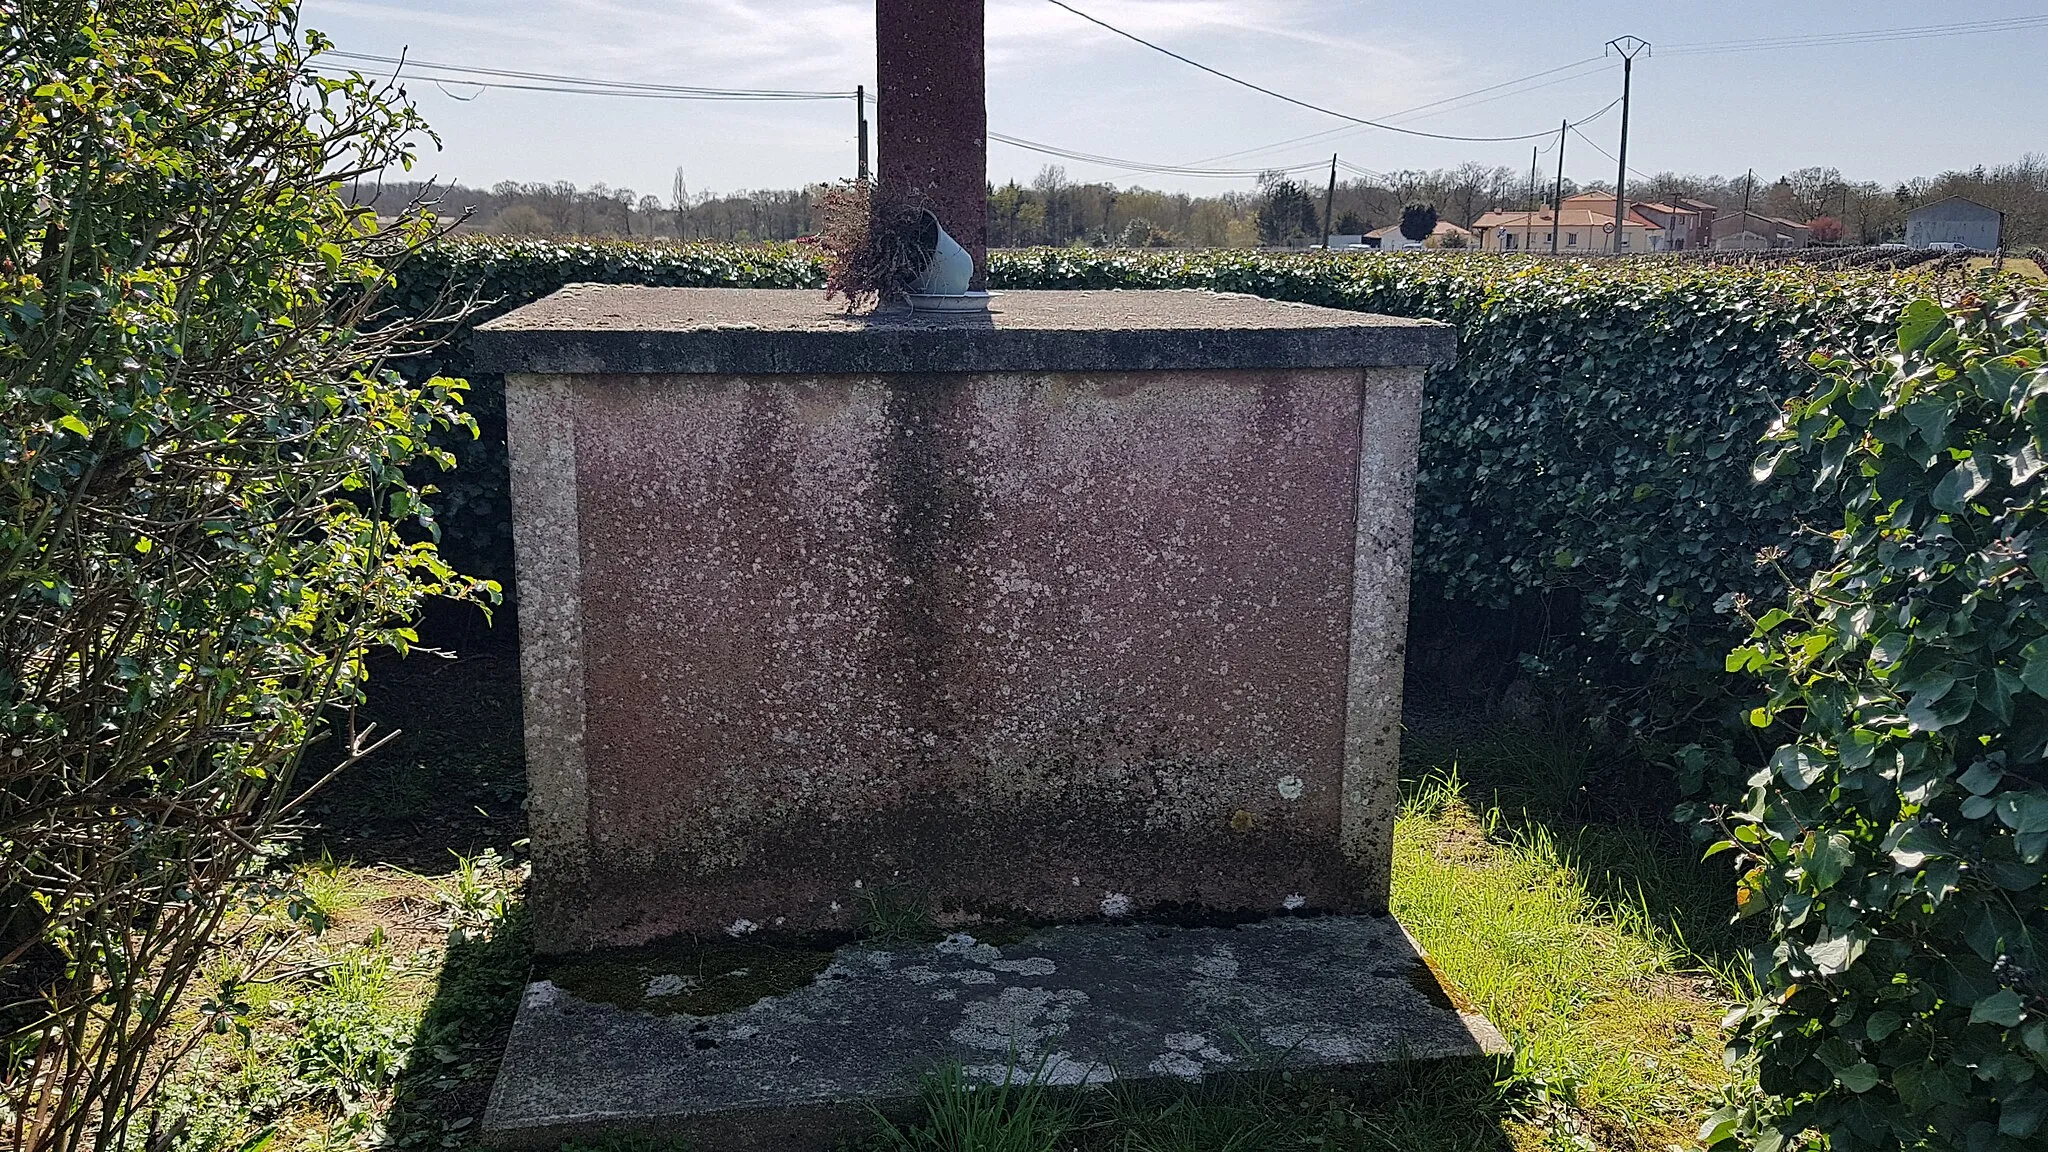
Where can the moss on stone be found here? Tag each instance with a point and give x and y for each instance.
(689, 976)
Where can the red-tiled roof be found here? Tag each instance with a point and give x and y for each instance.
(1573, 218)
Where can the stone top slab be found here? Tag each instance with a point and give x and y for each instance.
(629, 329)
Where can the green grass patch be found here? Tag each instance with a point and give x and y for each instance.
(1614, 1021)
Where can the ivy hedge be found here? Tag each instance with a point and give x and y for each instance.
(1581, 457)
(1896, 844)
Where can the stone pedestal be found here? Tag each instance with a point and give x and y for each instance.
(1090, 607)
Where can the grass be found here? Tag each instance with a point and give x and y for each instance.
(2019, 265)
(1586, 932)
(1613, 1020)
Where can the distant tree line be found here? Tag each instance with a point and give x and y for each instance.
(1278, 211)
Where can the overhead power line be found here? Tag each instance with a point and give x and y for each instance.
(1866, 36)
(1148, 166)
(1446, 105)
(1595, 146)
(552, 82)
(514, 79)
(1282, 95)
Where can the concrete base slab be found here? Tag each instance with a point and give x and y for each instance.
(1072, 1005)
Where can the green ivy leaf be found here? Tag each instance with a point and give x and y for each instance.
(2022, 1114)
(2035, 673)
(1835, 949)
(1828, 859)
(1931, 419)
(1924, 1086)
(2003, 1008)
(1933, 711)
(1859, 1077)
(1889, 649)
(1798, 765)
(1919, 322)
(1982, 778)
(1962, 484)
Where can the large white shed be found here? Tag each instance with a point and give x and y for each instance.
(1954, 220)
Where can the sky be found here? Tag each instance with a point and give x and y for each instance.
(1876, 110)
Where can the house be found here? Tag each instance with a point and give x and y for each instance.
(1446, 235)
(1682, 226)
(1741, 231)
(1955, 221)
(1703, 235)
(1580, 228)
(1587, 225)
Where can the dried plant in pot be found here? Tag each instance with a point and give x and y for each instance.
(878, 240)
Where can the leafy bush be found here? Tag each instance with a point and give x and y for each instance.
(1896, 845)
(205, 514)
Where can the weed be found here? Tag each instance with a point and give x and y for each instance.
(892, 915)
(478, 892)
(352, 1031)
(626, 1144)
(963, 1116)
(325, 889)
(1247, 1114)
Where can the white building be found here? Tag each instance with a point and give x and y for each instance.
(1446, 235)
(1954, 220)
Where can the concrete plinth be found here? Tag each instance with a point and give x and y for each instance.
(1089, 606)
(1082, 1004)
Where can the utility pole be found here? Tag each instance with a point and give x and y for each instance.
(1529, 217)
(1628, 47)
(860, 123)
(1329, 199)
(1557, 200)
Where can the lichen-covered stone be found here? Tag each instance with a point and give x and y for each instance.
(1073, 1005)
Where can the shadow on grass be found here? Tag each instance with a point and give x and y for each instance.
(439, 1099)
(1607, 811)
(452, 781)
